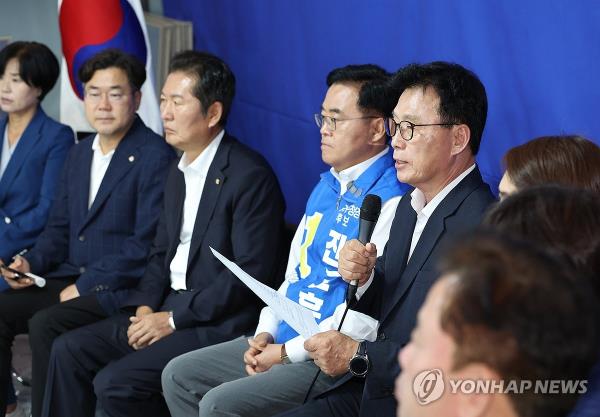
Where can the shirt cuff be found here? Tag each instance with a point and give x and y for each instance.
(268, 323)
(295, 350)
(361, 290)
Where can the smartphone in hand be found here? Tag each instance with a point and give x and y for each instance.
(17, 275)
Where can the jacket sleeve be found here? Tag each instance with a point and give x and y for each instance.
(29, 223)
(51, 247)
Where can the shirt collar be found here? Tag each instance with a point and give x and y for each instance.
(201, 164)
(418, 198)
(98, 150)
(355, 171)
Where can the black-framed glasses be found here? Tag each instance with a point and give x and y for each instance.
(330, 122)
(407, 128)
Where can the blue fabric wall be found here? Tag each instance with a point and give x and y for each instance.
(539, 61)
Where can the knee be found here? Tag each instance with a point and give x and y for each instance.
(63, 348)
(174, 376)
(103, 382)
(214, 404)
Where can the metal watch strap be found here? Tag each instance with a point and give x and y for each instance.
(285, 359)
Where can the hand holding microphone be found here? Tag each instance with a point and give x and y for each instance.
(357, 257)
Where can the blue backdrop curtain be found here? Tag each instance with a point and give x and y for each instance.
(539, 61)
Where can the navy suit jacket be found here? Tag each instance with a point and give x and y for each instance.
(28, 185)
(240, 214)
(399, 288)
(107, 246)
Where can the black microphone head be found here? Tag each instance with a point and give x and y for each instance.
(371, 207)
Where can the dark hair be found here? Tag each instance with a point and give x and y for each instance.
(115, 58)
(371, 80)
(514, 309)
(568, 160)
(214, 80)
(462, 95)
(565, 222)
(38, 66)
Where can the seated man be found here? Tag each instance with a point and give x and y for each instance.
(502, 330)
(354, 144)
(436, 129)
(221, 195)
(565, 222)
(101, 225)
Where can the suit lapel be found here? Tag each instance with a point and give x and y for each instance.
(126, 156)
(432, 233)
(174, 220)
(25, 146)
(398, 246)
(213, 185)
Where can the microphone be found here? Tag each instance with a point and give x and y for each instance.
(369, 213)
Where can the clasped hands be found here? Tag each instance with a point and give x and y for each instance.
(262, 353)
(147, 327)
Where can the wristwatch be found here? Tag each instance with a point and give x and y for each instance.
(359, 364)
(171, 321)
(285, 360)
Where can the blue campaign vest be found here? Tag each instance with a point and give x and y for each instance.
(330, 221)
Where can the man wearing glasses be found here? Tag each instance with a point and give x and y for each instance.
(271, 371)
(436, 129)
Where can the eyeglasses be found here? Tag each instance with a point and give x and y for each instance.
(407, 128)
(114, 97)
(330, 122)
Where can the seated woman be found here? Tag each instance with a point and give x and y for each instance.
(566, 160)
(33, 148)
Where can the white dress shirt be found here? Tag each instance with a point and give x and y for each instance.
(356, 325)
(425, 210)
(194, 174)
(100, 163)
(7, 151)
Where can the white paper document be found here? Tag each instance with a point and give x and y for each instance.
(298, 317)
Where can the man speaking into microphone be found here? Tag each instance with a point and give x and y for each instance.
(214, 381)
(436, 130)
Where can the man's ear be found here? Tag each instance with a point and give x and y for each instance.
(377, 134)
(137, 98)
(214, 113)
(461, 135)
(476, 403)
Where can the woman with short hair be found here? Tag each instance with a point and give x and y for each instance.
(33, 148)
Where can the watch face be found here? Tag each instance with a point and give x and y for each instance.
(359, 365)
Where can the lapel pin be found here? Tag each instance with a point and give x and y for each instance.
(131, 158)
(217, 181)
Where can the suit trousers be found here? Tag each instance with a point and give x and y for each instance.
(45, 326)
(343, 401)
(212, 381)
(16, 308)
(96, 363)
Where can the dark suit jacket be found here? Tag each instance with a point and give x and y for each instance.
(106, 246)
(399, 289)
(28, 185)
(240, 214)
